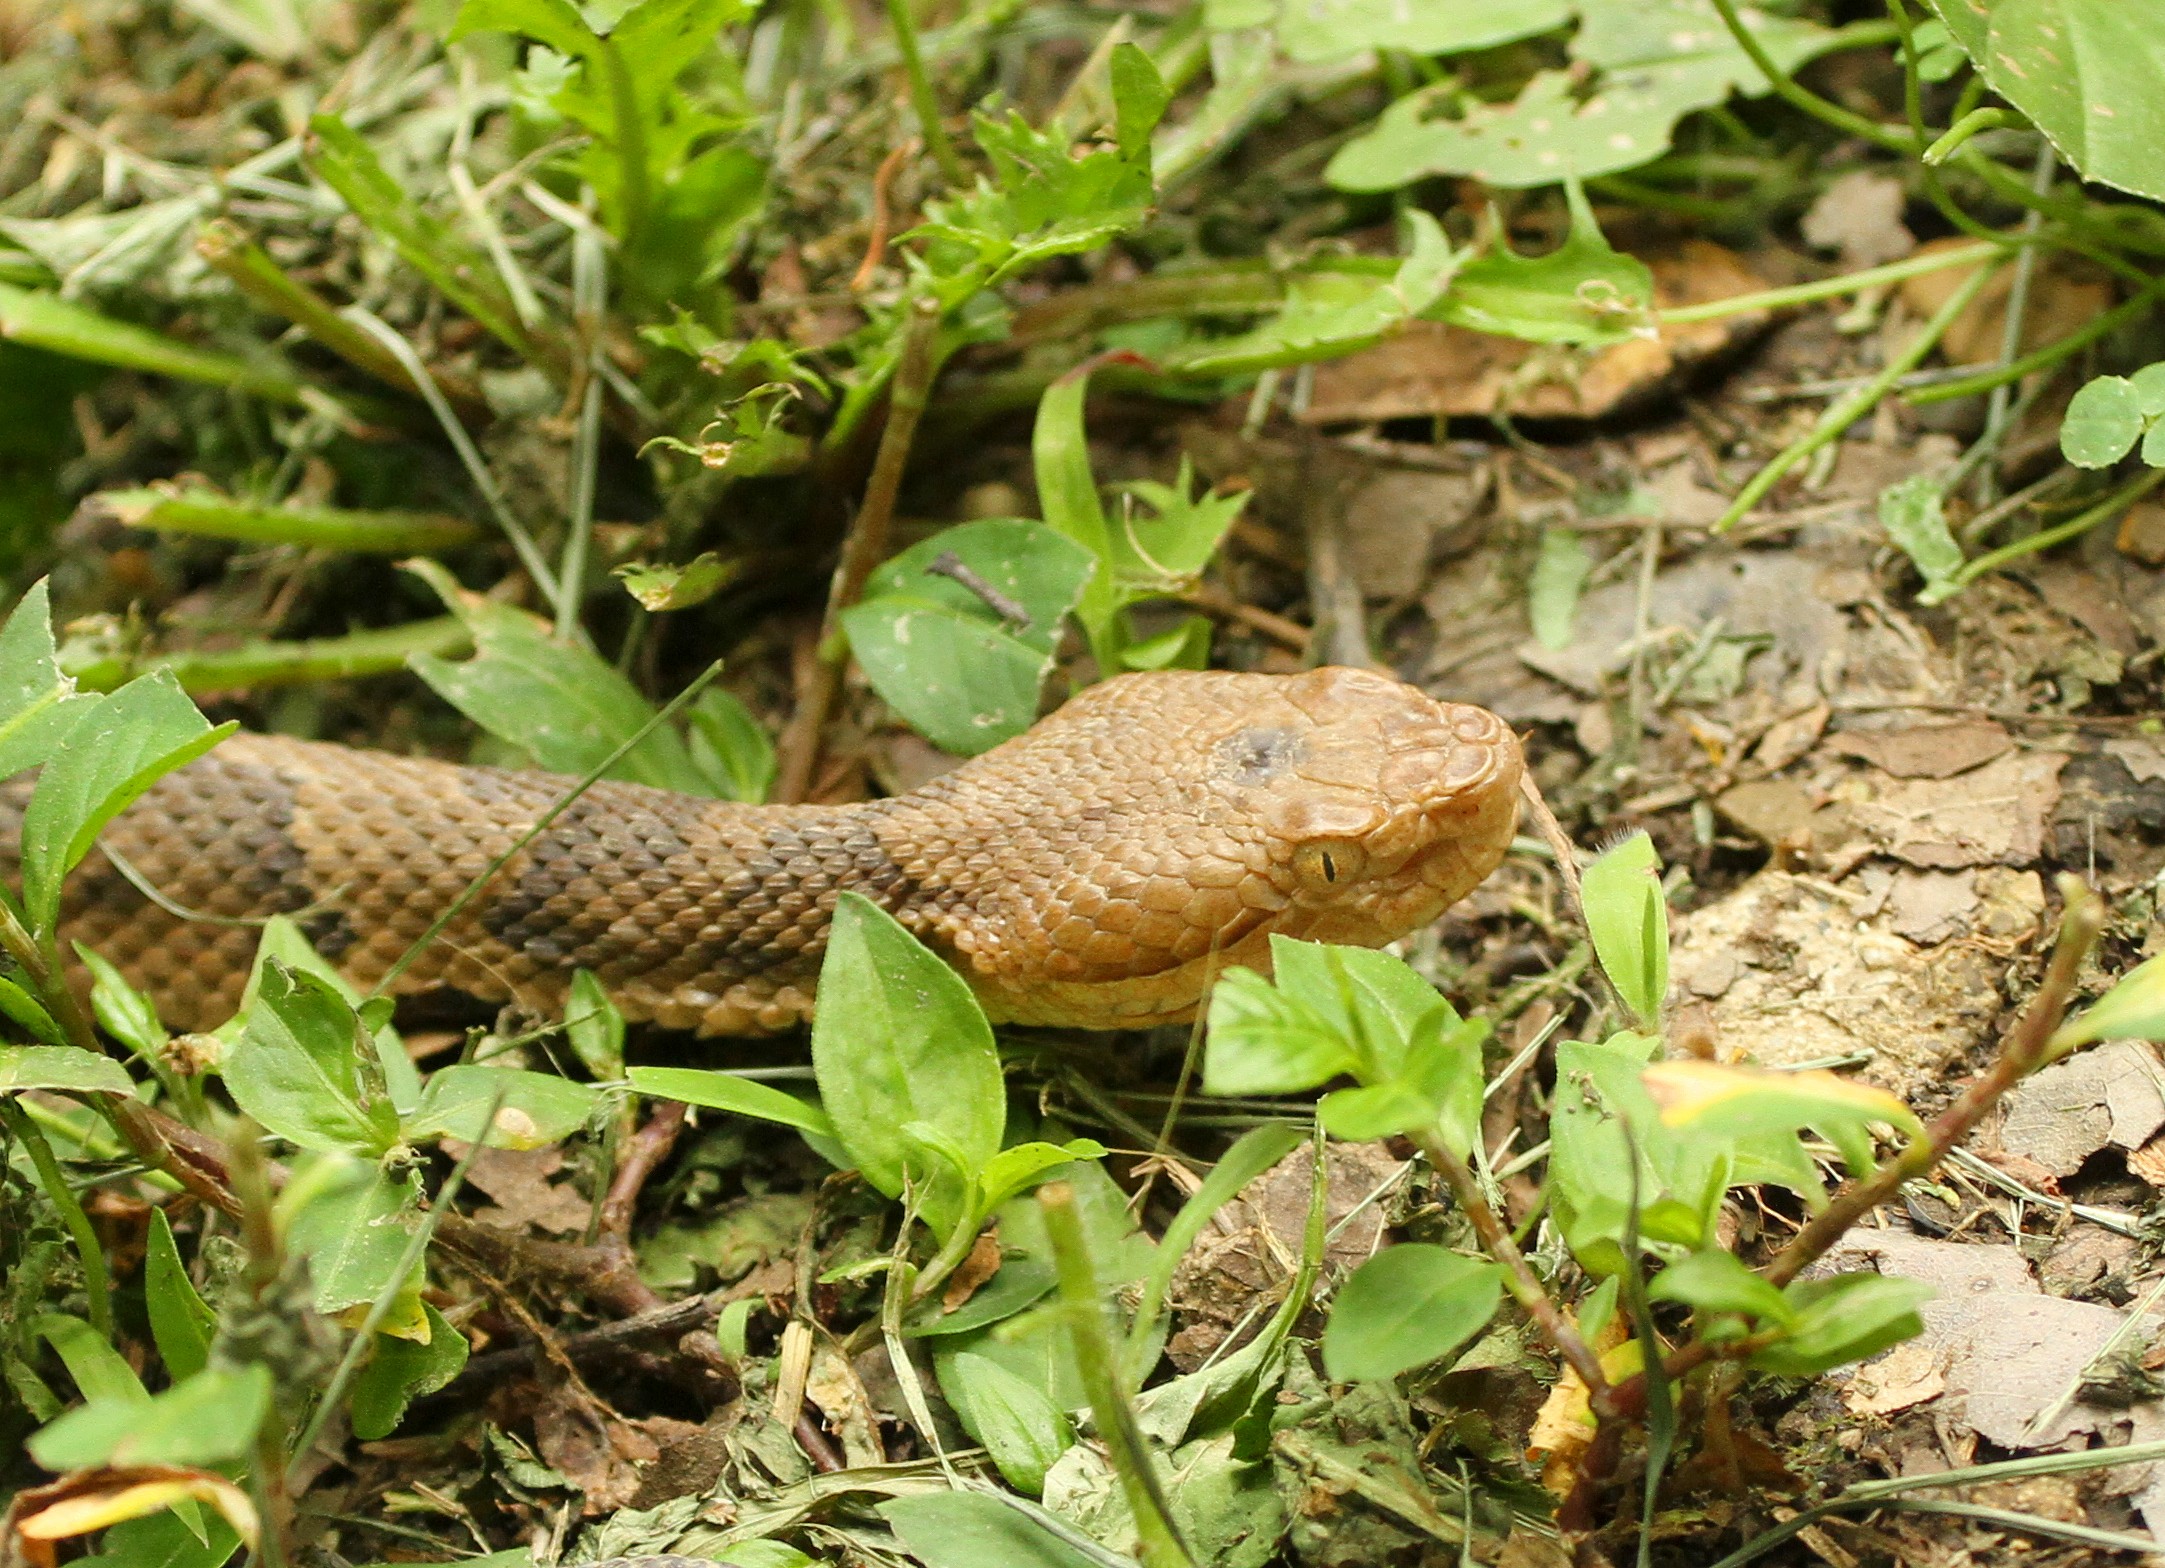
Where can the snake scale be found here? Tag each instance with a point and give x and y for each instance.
(1091, 873)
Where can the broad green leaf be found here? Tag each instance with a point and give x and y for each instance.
(1375, 1000)
(1843, 1319)
(25, 1010)
(354, 1234)
(1552, 594)
(2149, 385)
(286, 943)
(721, 1091)
(208, 1419)
(1140, 97)
(558, 702)
(181, 1322)
(594, 1027)
(2103, 422)
(38, 704)
(1331, 29)
(114, 752)
(1437, 1088)
(1714, 1281)
(100, 1372)
(533, 1109)
(1628, 918)
(401, 1370)
(1750, 1104)
(1405, 1307)
(2089, 73)
(297, 1068)
(1263, 1041)
(730, 746)
(1022, 1429)
(1642, 65)
(68, 1068)
(977, 1530)
(1019, 1282)
(898, 1038)
(2134, 1009)
(1023, 1165)
(1911, 511)
(1329, 313)
(1602, 1114)
(1582, 292)
(124, 1012)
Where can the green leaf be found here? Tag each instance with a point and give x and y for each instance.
(1583, 292)
(400, 1371)
(730, 746)
(898, 1038)
(533, 1110)
(38, 319)
(965, 671)
(68, 1068)
(100, 1373)
(1714, 1281)
(2134, 1009)
(1405, 1307)
(38, 704)
(1641, 66)
(1628, 918)
(555, 701)
(2103, 422)
(1068, 493)
(1022, 1166)
(1332, 29)
(1021, 1428)
(297, 1068)
(1263, 1041)
(354, 1233)
(2089, 73)
(181, 1322)
(594, 1027)
(20, 1007)
(1140, 97)
(124, 1012)
(659, 588)
(286, 943)
(113, 753)
(1329, 313)
(1552, 595)
(165, 1540)
(1912, 513)
(208, 1419)
(1437, 1087)
(977, 1530)
(2149, 385)
(1843, 1319)
(727, 1092)
(1750, 1104)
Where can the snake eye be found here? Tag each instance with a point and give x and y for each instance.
(1326, 863)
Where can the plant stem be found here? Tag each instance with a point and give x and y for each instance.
(1966, 127)
(1840, 415)
(1844, 120)
(590, 299)
(2081, 523)
(204, 512)
(1518, 1275)
(1830, 288)
(903, 19)
(864, 546)
(379, 652)
(2038, 359)
(1158, 1542)
(97, 1286)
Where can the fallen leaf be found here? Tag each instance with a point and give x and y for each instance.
(1926, 751)
(1859, 215)
(2112, 1095)
(1991, 815)
(2058, 304)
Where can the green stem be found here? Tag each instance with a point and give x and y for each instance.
(1840, 415)
(1158, 1542)
(379, 652)
(1844, 120)
(2038, 359)
(1966, 127)
(1831, 288)
(2081, 523)
(211, 515)
(903, 19)
(96, 1284)
(631, 153)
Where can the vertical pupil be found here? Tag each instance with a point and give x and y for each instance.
(1330, 867)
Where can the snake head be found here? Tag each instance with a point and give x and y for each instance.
(1385, 806)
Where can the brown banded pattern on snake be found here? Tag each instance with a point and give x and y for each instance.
(1092, 873)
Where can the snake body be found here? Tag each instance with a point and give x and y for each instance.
(1091, 873)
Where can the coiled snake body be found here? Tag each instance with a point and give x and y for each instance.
(1092, 873)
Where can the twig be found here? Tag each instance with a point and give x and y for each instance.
(863, 547)
(883, 179)
(648, 1147)
(1334, 595)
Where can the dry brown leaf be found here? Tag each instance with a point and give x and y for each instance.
(2058, 305)
(1926, 751)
